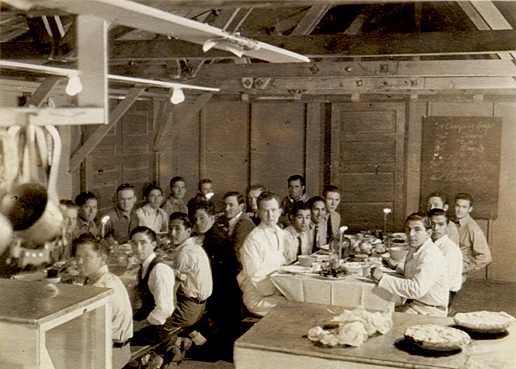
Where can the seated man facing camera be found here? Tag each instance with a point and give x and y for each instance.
(424, 288)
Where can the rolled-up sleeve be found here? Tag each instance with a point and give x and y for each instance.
(162, 287)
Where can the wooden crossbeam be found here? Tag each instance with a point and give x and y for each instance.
(183, 114)
(339, 45)
(441, 68)
(428, 43)
(97, 136)
(43, 91)
(343, 85)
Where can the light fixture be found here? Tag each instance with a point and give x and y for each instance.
(178, 96)
(74, 85)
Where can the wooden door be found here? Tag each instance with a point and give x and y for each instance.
(123, 156)
(368, 163)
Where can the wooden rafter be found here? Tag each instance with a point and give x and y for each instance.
(97, 136)
(311, 19)
(441, 68)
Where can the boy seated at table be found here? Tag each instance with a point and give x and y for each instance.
(91, 258)
(424, 288)
(156, 285)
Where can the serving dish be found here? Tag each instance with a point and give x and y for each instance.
(437, 337)
(484, 321)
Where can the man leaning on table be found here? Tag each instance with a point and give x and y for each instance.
(424, 288)
(91, 257)
(262, 253)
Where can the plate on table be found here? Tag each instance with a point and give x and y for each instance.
(295, 269)
(490, 322)
(338, 277)
(433, 337)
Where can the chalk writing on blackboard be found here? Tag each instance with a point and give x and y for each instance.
(462, 154)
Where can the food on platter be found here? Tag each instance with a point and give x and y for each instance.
(484, 321)
(437, 337)
(351, 328)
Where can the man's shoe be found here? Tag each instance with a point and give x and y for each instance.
(156, 362)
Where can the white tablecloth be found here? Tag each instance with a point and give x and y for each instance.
(348, 292)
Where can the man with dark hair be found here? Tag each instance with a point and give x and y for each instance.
(151, 215)
(296, 192)
(424, 289)
(193, 272)
(156, 285)
(450, 249)
(262, 253)
(239, 223)
(63, 248)
(472, 242)
(91, 259)
(299, 230)
(122, 218)
(175, 202)
(331, 195)
(439, 200)
(319, 214)
(88, 207)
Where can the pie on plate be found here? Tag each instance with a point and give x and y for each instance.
(484, 321)
(437, 337)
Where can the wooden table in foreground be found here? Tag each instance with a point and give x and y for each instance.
(277, 342)
(59, 326)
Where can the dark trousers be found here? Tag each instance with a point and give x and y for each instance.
(187, 313)
(154, 334)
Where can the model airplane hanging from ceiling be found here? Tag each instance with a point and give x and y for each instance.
(135, 15)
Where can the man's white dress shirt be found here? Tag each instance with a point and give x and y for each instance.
(453, 256)
(425, 281)
(162, 286)
(263, 252)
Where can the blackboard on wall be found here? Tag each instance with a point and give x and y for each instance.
(462, 154)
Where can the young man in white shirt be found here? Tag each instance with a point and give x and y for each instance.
(424, 288)
(156, 285)
(91, 258)
(151, 215)
(450, 249)
(262, 253)
(193, 272)
(472, 241)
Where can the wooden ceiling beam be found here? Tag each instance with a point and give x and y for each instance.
(434, 68)
(426, 43)
(429, 43)
(343, 85)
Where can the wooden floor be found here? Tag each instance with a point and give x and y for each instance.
(475, 295)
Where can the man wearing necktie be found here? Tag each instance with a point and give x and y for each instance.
(319, 214)
(299, 231)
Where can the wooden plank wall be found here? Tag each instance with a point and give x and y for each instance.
(237, 143)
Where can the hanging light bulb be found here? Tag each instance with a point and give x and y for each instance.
(74, 85)
(178, 95)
